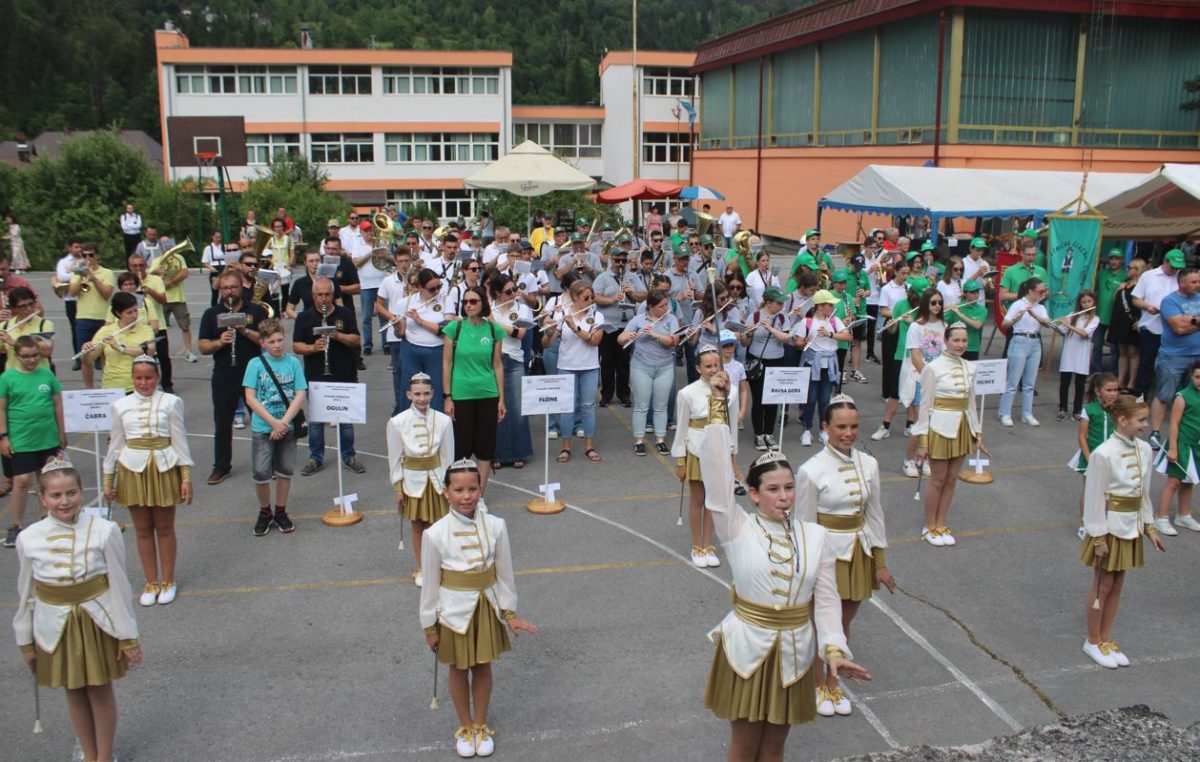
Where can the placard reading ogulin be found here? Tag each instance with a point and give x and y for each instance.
(337, 403)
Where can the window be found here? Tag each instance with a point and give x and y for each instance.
(440, 147)
(339, 80)
(260, 149)
(343, 148)
(666, 81)
(440, 80)
(446, 204)
(235, 80)
(666, 148)
(571, 141)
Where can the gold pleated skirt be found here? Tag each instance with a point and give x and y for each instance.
(943, 448)
(856, 577)
(429, 507)
(1123, 555)
(86, 655)
(149, 489)
(692, 469)
(762, 697)
(485, 639)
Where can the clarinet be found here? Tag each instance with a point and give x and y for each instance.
(324, 316)
(232, 344)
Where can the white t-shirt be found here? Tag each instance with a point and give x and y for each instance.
(1027, 323)
(511, 347)
(573, 352)
(970, 267)
(728, 222)
(891, 294)
(811, 326)
(392, 291)
(64, 269)
(757, 283)
(434, 312)
(1077, 350)
(1152, 288)
(951, 293)
(369, 276)
(929, 338)
(492, 252)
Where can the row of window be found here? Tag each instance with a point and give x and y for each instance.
(335, 80)
(667, 81)
(446, 204)
(359, 147)
(571, 141)
(666, 148)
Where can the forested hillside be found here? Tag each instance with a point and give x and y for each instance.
(87, 63)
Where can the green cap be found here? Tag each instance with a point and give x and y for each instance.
(978, 243)
(706, 240)
(918, 283)
(682, 253)
(773, 294)
(928, 246)
(1028, 233)
(971, 285)
(912, 255)
(1116, 253)
(624, 238)
(814, 233)
(578, 238)
(1174, 258)
(808, 260)
(841, 276)
(606, 226)
(581, 221)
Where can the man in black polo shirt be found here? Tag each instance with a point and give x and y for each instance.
(328, 358)
(228, 372)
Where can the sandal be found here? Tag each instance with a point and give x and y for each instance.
(497, 465)
(564, 455)
(518, 464)
(6, 488)
(592, 455)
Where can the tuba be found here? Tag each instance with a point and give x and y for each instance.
(704, 222)
(262, 239)
(171, 261)
(384, 236)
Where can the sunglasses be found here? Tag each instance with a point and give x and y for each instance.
(508, 292)
(431, 287)
(735, 288)
(935, 304)
(427, 227)
(473, 269)
(250, 264)
(472, 301)
(91, 255)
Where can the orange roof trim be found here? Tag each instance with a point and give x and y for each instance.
(648, 58)
(293, 56)
(595, 113)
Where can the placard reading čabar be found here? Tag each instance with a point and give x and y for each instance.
(89, 409)
(990, 376)
(547, 395)
(788, 386)
(337, 403)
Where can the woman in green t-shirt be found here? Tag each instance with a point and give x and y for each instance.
(473, 381)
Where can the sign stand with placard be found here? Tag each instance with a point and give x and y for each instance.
(990, 377)
(90, 410)
(547, 395)
(337, 404)
(784, 385)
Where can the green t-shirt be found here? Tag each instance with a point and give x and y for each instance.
(31, 423)
(920, 283)
(898, 309)
(839, 311)
(1107, 282)
(1017, 274)
(745, 266)
(977, 312)
(471, 371)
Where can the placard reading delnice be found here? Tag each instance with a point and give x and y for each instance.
(547, 395)
(990, 376)
(337, 403)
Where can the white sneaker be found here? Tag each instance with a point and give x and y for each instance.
(239, 422)
(908, 429)
(910, 469)
(1029, 420)
(710, 557)
(418, 578)
(925, 468)
(881, 433)
(1163, 525)
(553, 434)
(1080, 532)
(579, 433)
(806, 439)
(149, 594)
(1114, 651)
(167, 594)
(191, 357)
(824, 438)
(825, 703)
(1006, 420)
(947, 538)
(933, 538)
(699, 558)
(841, 704)
(464, 742)
(1100, 654)
(484, 744)
(1187, 522)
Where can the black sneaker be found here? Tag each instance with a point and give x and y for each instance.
(284, 523)
(639, 449)
(662, 448)
(10, 540)
(366, 351)
(263, 525)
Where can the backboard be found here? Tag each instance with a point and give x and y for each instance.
(190, 137)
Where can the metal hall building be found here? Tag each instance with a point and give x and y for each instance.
(796, 105)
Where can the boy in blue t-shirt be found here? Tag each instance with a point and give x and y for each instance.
(273, 439)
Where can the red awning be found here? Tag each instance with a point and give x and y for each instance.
(639, 190)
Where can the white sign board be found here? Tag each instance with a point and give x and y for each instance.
(89, 409)
(547, 395)
(990, 376)
(787, 386)
(337, 403)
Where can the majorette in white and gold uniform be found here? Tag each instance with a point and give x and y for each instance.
(420, 449)
(692, 412)
(148, 451)
(468, 588)
(761, 670)
(947, 421)
(1116, 502)
(841, 493)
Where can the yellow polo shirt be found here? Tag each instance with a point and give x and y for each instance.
(91, 305)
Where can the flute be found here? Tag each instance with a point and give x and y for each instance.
(114, 334)
(896, 320)
(644, 330)
(690, 332)
(564, 317)
(1073, 314)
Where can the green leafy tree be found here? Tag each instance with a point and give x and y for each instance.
(299, 186)
(513, 211)
(177, 209)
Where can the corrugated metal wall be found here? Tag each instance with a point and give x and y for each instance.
(715, 92)
(847, 66)
(908, 58)
(745, 104)
(791, 96)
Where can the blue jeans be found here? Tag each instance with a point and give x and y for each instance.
(820, 389)
(366, 303)
(416, 359)
(513, 441)
(586, 382)
(651, 389)
(316, 441)
(398, 385)
(550, 360)
(1024, 354)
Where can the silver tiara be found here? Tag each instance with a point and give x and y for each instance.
(57, 464)
(770, 456)
(838, 398)
(420, 376)
(144, 359)
(463, 464)
(706, 349)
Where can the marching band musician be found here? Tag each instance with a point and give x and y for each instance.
(281, 249)
(25, 321)
(424, 312)
(617, 295)
(446, 265)
(154, 296)
(584, 263)
(580, 326)
(119, 342)
(92, 285)
(390, 301)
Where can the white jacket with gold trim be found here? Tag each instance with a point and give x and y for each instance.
(416, 434)
(135, 417)
(843, 485)
(1120, 467)
(463, 544)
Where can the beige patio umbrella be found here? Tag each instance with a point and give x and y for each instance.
(529, 170)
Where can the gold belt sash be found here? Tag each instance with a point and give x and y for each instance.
(148, 443)
(839, 523)
(469, 580)
(698, 423)
(950, 403)
(1124, 503)
(422, 462)
(775, 617)
(73, 594)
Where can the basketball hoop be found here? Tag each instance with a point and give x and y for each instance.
(205, 158)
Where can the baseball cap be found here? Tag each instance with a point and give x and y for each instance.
(526, 245)
(971, 285)
(841, 276)
(978, 243)
(727, 337)
(1174, 258)
(1116, 253)
(333, 223)
(773, 294)
(825, 297)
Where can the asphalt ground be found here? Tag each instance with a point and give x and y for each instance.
(306, 648)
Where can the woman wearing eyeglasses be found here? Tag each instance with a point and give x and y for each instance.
(514, 445)
(424, 313)
(950, 284)
(578, 329)
(471, 277)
